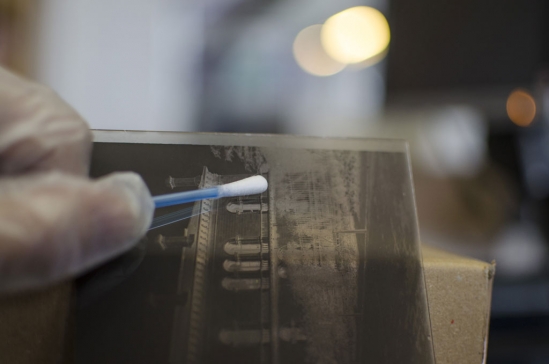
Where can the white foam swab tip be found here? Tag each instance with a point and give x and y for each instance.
(247, 186)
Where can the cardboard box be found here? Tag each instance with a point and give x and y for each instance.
(36, 327)
(459, 291)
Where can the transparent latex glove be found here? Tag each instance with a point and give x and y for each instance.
(54, 221)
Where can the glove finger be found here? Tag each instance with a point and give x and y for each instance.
(39, 131)
(56, 225)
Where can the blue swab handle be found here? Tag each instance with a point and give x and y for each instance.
(185, 197)
(247, 186)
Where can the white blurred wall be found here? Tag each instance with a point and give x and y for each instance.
(123, 64)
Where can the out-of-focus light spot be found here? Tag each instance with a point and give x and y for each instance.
(368, 62)
(521, 107)
(356, 34)
(311, 56)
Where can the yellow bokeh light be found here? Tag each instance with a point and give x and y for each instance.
(311, 56)
(355, 35)
(521, 107)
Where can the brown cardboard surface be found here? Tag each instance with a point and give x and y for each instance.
(33, 327)
(459, 291)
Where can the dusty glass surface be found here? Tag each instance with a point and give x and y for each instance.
(324, 267)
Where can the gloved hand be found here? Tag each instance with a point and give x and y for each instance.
(54, 221)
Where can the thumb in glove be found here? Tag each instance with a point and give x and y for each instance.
(55, 225)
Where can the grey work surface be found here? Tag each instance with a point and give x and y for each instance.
(337, 276)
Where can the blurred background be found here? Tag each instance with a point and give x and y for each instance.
(465, 81)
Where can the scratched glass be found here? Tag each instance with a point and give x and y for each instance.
(323, 267)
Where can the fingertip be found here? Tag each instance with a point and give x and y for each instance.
(132, 189)
(64, 225)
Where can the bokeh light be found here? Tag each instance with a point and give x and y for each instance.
(521, 107)
(355, 34)
(311, 56)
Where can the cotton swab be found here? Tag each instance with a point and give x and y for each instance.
(247, 186)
